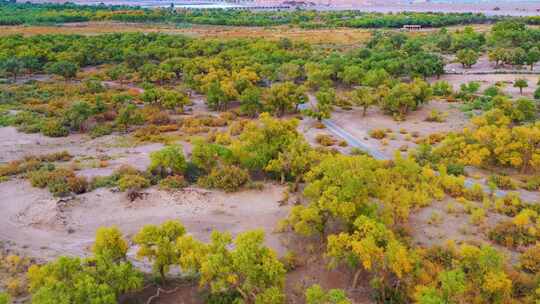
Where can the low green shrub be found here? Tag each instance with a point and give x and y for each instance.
(455, 169)
(436, 116)
(100, 130)
(503, 182)
(54, 128)
(60, 182)
(103, 182)
(6, 119)
(532, 183)
(133, 182)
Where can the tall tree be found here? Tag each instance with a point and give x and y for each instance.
(158, 244)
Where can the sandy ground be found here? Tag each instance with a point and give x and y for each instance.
(46, 227)
(485, 66)
(360, 126)
(17, 145)
(434, 225)
(491, 79)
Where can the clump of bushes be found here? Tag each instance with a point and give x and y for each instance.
(150, 133)
(531, 183)
(511, 204)
(154, 115)
(442, 89)
(27, 122)
(452, 185)
(19, 166)
(229, 178)
(503, 182)
(60, 182)
(32, 163)
(475, 193)
(519, 231)
(202, 123)
(54, 128)
(129, 115)
(133, 182)
(113, 179)
(478, 216)
(530, 259)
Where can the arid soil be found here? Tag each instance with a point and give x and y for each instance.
(358, 125)
(487, 80)
(484, 66)
(46, 226)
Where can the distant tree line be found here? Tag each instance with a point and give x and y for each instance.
(28, 13)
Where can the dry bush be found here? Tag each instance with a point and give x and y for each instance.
(510, 205)
(530, 259)
(508, 234)
(173, 182)
(77, 184)
(377, 133)
(168, 128)
(318, 125)
(228, 116)
(154, 115)
(503, 182)
(150, 133)
(325, 140)
(431, 139)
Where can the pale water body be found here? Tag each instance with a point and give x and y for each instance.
(507, 7)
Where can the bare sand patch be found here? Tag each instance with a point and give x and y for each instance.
(359, 126)
(44, 226)
(435, 225)
(491, 79)
(483, 65)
